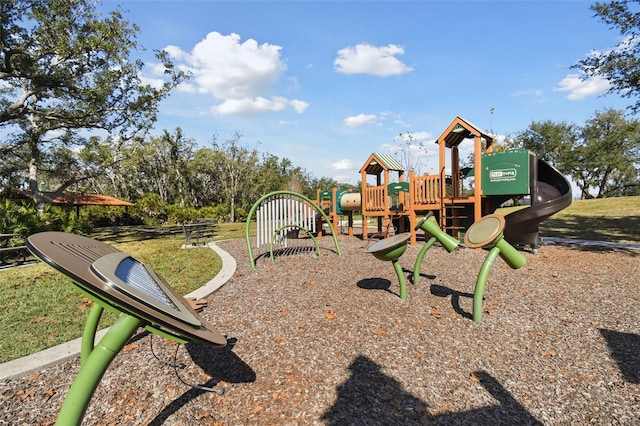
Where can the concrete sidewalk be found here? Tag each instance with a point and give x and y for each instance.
(57, 354)
(569, 241)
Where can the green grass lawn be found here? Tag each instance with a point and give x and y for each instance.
(606, 219)
(40, 308)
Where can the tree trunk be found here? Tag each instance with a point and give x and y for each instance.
(38, 198)
(233, 209)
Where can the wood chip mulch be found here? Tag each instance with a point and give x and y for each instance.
(327, 340)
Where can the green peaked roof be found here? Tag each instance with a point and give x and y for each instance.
(378, 162)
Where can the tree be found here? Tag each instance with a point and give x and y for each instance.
(408, 152)
(550, 141)
(206, 184)
(238, 166)
(161, 165)
(604, 159)
(620, 66)
(66, 71)
(598, 156)
(276, 174)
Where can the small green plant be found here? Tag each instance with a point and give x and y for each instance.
(219, 212)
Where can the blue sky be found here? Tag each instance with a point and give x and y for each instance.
(326, 83)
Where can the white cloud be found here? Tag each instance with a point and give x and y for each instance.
(189, 88)
(413, 149)
(368, 59)
(344, 164)
(175, 52)
(155, 79)
(299, 106)
(416, 144)
(627, 44)
(258, 105)
(419, 137)
(579, 88)
(359, 120)
(247, 106)
(348, 179)
(537, 94)
(295, 84)
(240, 75)
(156, 83)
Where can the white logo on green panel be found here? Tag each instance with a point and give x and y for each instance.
(502, 175)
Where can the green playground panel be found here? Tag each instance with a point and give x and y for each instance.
(506, 173)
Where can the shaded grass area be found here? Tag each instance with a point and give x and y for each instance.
(611, 219)
(40, 308)
(607, 219)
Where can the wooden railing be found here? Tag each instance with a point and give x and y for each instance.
(426, 189)
(375, 199)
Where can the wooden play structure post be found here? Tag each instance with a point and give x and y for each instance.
(451, 138)
(375, 199)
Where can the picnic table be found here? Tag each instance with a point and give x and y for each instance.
(6, 248)
(198, 229)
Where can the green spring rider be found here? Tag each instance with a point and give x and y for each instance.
(390, 249)
(488, 233)
(429, 225)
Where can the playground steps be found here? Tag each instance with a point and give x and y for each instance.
(452, 217)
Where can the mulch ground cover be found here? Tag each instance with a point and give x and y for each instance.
(327, 340)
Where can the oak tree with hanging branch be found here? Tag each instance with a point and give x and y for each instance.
(67, 71)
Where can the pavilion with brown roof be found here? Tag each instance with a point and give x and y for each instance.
(77, 200)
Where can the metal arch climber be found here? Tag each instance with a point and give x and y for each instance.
(277, 213)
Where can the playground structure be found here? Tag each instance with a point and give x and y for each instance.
(429, 225)
(494, 178)
(391, 249)
(281, 219)
(282, 215)
(117, 282)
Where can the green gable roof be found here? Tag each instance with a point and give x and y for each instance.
(378, 162)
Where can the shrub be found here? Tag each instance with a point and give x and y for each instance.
(181, 214)
(18, 219)
(151, 209)
(218, 212)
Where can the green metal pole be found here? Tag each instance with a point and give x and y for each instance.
(513, 257)
(403, 283)
(423, 251)
(89, 334)
(478, 293)
(93, 368)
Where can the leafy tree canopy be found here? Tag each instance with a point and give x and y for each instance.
(620, 66)
(65, 69)
(599, 156)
